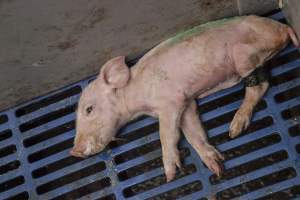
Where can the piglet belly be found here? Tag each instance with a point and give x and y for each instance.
(229, 82)
(212, 79)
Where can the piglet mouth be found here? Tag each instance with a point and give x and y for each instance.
(84, 153)
(77, 154)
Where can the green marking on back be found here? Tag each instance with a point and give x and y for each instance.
(199, 29)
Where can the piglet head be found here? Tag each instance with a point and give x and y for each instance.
(100, 113)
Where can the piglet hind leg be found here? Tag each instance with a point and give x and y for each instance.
(169, 121)
(243, 116)
(196, 136)
(247, 57)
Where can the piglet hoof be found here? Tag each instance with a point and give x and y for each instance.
(170, 164)
(213, 160)
(239, 123)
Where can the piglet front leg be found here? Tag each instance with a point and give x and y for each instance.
(196, 136)
(169, 121)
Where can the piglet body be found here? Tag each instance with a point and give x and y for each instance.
(167, 80)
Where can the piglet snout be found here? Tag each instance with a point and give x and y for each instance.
(75, 153)
(79, 150)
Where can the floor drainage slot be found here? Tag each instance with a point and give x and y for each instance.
(137, 152)
(51, 150)
(11, 183)
(108, 197)
(250, 166)
(222, 101)
(294, 130)
(147, 166)
(65, 162)
(226, 118)
(7, 150)
(20, 196)
(256, 184)
(253, 127)
(134, 135)
(289, 193)
(3, 119)
(252, 146)
(47, 101)
(9, 167)
(180, 191)
(87, 189)
(291, 113)
(157, 181)
(5, 135)
(87, 171)
(49, 134)
(288, 94)
(47, 118)
(285, 77)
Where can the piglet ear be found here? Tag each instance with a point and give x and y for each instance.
(115, 72)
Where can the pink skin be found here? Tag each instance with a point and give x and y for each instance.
(165, 82)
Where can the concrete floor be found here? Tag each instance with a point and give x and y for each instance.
(291, 10)
(48, 44)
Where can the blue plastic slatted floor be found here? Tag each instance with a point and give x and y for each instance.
(263, 163)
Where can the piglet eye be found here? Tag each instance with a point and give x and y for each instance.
(89, 109)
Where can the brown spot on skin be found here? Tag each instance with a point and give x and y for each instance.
(189, 40)
(251, 39)
(100, 125)
(254, 59)
(159, 74)
(227, 58)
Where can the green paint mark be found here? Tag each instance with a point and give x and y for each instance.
(199, 29)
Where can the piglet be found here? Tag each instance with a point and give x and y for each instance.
(165, 82)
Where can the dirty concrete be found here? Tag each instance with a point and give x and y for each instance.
(48, 44)
(291, 9)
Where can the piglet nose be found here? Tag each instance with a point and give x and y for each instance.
(79, 145)
(78, 150)
(75, 153)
